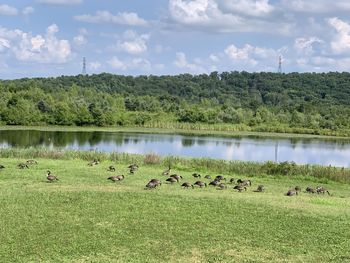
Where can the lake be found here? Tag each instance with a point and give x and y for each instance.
(302, 151)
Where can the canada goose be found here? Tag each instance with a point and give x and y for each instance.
(207, 176)
(232, 180)
(310, 190)
(133, 166)
(200, 184)
(153, 184)
(94, 162)
(259, 189)
(156, 181)
(177, 177)
(111, 168)
(214, 183)
(220, 178)
(50, 177)
(244, 182)
(187, 185)
(297, 188)
(172, 180)
(2, 167)
(22, 166)
(222, 186)
(196, 175)
(240, 188)
(31, 162)
(321, 190)
(116, 178)
(291, 192)
(167, 172)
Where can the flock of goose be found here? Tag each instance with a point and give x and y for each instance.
(220, 182)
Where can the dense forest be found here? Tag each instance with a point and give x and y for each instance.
(317, 103)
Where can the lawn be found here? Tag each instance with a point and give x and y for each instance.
(86, 218)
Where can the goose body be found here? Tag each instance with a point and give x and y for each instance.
(200, 184)
(310, 190)
(220, 178)
(259, 189)
(222, 186)
(111, 168)
(207, 177)
(196, 175)
(177, 177)
(187, 185)
(322, 190)
(172, 180)
(31, 162)
(2, 167)
(291, 192)
(23, 166)
(244, 182)
(116, 178)
(240, 188)
(50, 177)
(214, 183)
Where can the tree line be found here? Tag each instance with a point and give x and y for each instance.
(310, 102)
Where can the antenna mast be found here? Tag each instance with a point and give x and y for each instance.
(280, 64)
(84, 66)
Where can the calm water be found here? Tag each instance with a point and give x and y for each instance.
(312, 151)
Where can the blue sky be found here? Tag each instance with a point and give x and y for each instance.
(41, 38)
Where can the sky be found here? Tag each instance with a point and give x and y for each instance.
(41, 38)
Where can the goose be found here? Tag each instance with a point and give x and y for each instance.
(220, 178)
(153, 184)
(172, 180)
(187, 185)
(244, 182)
(240, 188)
(321, 190)
(167, 172)
(259, 189)
(50, 177)
(111, 168)
(232, 180)
(214, 183)
(2, 167)
(23, 166)
(196, 175)
(207, 177)
(133, 166)
(200, 184)
(116, 178)
(310, 190)
(155, 181)
(177, 177)
(94, 162)
(31, 162)
(291, 192)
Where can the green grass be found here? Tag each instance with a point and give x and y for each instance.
(86, 218)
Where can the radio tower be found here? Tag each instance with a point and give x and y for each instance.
(280, 64)
(84, 66)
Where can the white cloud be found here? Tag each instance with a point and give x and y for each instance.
(123, 18)
(130, 64)
(248, 7)
(94, 65)
(182, 63)
(245, 16)
(133, 43)
(79, 40)
(319, 6)
(28, 10)
(60, 2)
(341, 42)
(7, 10)
(306, 45)
(40, 49)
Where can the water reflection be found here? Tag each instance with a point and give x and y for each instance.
(313, 151)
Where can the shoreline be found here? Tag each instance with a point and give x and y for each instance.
(229, 134)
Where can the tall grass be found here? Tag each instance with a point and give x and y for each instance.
(216, 166)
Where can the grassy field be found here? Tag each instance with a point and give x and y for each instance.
(184, 131)
(86, 218)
